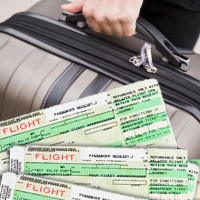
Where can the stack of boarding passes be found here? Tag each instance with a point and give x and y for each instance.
(110, 146)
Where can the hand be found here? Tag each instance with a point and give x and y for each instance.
(113, 17)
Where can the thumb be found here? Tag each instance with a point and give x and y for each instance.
(73, 7)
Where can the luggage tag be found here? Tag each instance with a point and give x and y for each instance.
(145, 59)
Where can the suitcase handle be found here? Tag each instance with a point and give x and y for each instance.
(163, 45)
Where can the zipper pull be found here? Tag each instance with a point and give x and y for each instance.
(145, 59)
(169, 52)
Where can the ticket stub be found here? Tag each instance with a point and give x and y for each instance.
(193, 175)
(30, 188)
(197, 195)
(147, 173)
(197, 162)
(133, 115)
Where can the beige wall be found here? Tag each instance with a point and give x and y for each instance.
(9, 7)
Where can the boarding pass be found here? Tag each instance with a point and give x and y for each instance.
(26, 187)
(148, 173)
(132, 115)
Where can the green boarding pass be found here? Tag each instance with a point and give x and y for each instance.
(197, 196)
(197, 162)
(193, 174)
(132, 115)
(30, 188)
(147, 173)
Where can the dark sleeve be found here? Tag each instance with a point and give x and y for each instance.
(178, 20)
(193, 5)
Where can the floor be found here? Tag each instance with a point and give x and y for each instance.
(9, 7)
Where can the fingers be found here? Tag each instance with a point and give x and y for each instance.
(94, 25)
(113, 17)
(110, 26)
(73, 7)
(117, 28)
(96, 13)
(129, 28)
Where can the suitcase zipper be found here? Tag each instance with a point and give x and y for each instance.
(179, 89)
(169, 52)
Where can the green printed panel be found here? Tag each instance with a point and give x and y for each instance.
(178, 165)
(58, 128)
(89, 121)
(190, 187)
(135, 124)
(139, 106)
(164, 173)
(135, 98)
(65, 169)
(76, 119)
(115, 144)
(154, 134)
(165, 189)
(20, 195)
(197, 162)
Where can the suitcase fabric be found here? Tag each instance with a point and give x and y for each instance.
(31, 76)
